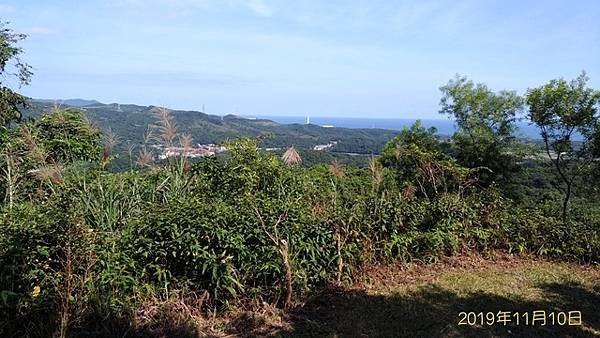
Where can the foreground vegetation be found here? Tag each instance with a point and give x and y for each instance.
(88, 252)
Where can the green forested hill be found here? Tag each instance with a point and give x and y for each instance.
(129, 122)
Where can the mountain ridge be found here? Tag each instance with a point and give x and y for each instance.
(130, 121)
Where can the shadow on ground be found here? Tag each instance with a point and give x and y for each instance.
(429, 311)
(434, 312)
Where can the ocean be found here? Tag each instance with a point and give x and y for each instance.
(443, 126)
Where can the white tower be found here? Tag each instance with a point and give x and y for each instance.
(307, 119)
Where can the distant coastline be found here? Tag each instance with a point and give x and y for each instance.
(444, 126)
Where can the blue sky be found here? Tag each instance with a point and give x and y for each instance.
(323, 58)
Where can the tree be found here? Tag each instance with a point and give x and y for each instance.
(415, 156)
(11, 67)
(68, 137)
(486, 123)
(42, 148)
(565, 111)
(421, 139)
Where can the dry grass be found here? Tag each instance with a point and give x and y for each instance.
(110, 140)
(144, 158)
(418, 300)
(185, 316)
(166, 126)
(336, 168)
(291, 157)
(409, 300)
(376, 169)
(464, 269)
(49, 173)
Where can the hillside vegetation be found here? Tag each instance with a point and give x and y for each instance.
(130, 122)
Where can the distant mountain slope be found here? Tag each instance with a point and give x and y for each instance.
(130, 122)
(69, 102)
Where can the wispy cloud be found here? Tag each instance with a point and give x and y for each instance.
(39, 30)
(259, 7)
(163, 79)
(434, 16)
(7, 9)
(177, 8)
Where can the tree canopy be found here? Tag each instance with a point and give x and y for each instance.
(12, 68)
(486, 122)
(564, 111)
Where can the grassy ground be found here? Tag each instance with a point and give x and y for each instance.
(425, 301)
(418, 300)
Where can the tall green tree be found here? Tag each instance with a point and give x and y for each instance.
(565, 111)
(486, 125)
(12, 68)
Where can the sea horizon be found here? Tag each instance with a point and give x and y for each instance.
(444, 127)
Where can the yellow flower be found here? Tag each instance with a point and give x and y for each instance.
(35, 292)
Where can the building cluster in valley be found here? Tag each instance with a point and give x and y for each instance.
(200, 150)
(325, 146)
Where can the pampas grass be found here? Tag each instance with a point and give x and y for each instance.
(291, 157)
(144, 158)
(336, 168)
(166, 126)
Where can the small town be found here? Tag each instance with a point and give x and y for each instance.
(200, 150)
